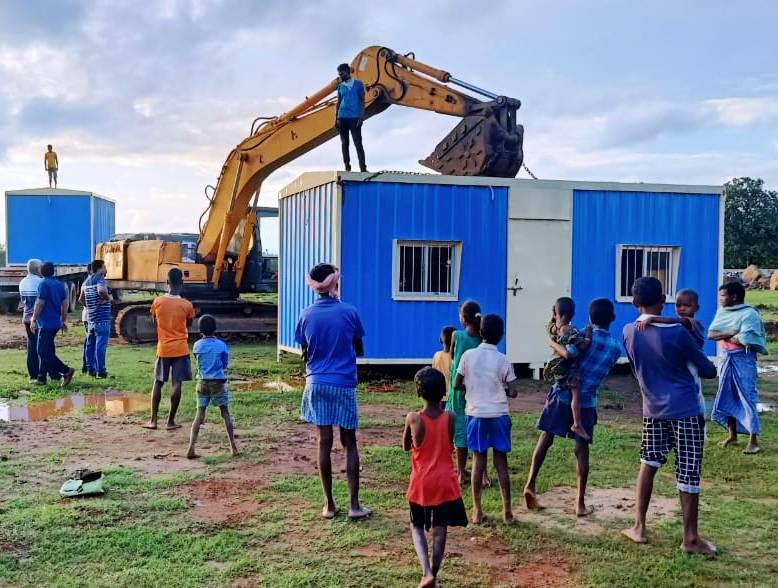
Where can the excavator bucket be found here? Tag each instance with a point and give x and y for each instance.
(487, 142)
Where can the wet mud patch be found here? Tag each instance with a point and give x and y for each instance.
(610, 504)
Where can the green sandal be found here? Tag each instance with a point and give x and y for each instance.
(82, 483)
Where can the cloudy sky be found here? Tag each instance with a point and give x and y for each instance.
(143, 101)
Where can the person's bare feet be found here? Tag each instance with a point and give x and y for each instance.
(477, 517)
(360, 513)
(699, 547)
(191, 454)
(150, 425)
(172, 426)
(531, 500)
(427, 582)
(583, 511)
(329, 513)
(508, 518)
(728, 441)
(486, 482)
(579, 430)
(235, 451)
(635, 534)
(752, 449)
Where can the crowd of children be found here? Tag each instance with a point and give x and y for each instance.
(466, 396)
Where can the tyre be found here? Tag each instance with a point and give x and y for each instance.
(72, 296)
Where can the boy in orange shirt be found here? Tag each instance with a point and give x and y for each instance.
(171, 314)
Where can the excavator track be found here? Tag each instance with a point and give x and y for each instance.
(235, 320)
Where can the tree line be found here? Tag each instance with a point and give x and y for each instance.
(750, 224)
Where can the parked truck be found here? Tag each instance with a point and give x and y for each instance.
(62, 226)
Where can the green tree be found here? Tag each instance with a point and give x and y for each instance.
(751, 224)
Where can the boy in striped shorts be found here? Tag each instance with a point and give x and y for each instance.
(660, 355)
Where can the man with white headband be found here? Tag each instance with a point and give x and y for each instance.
(330, 334)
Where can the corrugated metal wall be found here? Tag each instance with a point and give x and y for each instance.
(51, 228)
(374, 214)
(104, 221)
(306, 239)
(602, 220)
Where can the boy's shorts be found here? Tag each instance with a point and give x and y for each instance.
(557, 419)
(213, 392)
(448, 514)
(456, 404)
(687, 437)
(485, 433)
(177, 369)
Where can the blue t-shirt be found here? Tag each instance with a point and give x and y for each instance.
(98, 310)
(52, 293)
(351, 98)
(660, 356)
(328, 328)
(213, 357)
(594, 364)
(28, 292)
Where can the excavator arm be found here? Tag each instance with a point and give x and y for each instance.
(486, 142)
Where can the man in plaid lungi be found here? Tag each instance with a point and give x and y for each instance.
(672, 417)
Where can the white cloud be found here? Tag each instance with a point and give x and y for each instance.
(743, 112)
(40, 71)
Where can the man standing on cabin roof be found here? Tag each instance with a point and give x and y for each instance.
(51, 164)
(350, 114)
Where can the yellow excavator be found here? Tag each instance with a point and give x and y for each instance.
(225, 259)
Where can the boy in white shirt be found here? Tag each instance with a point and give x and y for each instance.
(488, 379)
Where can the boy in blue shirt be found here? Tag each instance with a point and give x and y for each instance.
(350, 114)
(673, 419)
(213, 357)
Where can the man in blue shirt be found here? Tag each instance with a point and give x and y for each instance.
(673, 419)
(28, 292)
(98, 306)
(49, 315)
(557, 416)
(350, 114)
(330, 334)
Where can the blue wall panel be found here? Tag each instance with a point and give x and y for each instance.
(103, 221)
(374, 214)
(604, 219)
(306, 239)
(51, 228)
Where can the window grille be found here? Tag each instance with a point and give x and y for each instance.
(638, 261)
(426, 269)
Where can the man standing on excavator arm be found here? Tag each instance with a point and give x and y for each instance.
(350, 114)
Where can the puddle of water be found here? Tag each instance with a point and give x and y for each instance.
(256, 386)
(765, 407)
(110, 402)
(770, 368)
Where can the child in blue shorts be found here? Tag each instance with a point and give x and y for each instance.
(488, 380)
(213, 357)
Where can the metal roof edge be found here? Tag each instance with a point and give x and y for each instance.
(313, 179)
(56, 192)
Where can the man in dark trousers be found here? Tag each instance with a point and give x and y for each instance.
(49, 316)
(673, 420)
(350, 114)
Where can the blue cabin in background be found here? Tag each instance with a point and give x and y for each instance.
(62, 226)
(411, 248)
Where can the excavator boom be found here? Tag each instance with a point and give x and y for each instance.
(487, 141)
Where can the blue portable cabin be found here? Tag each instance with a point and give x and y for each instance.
(412, 247)
(62, 226)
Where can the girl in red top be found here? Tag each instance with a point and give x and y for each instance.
(433, 492)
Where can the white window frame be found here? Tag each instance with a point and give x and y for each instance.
(456, 265)
(675, 263)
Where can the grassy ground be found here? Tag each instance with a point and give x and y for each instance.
(143, 531)
(766, 301)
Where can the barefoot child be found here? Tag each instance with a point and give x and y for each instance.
(672, 416)
(563, 371)
(487, 378)
(171, 314)
(441, 361)
(687, 304)
(741, 335)
(461, 341)
(433, 492)
(213, 357)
